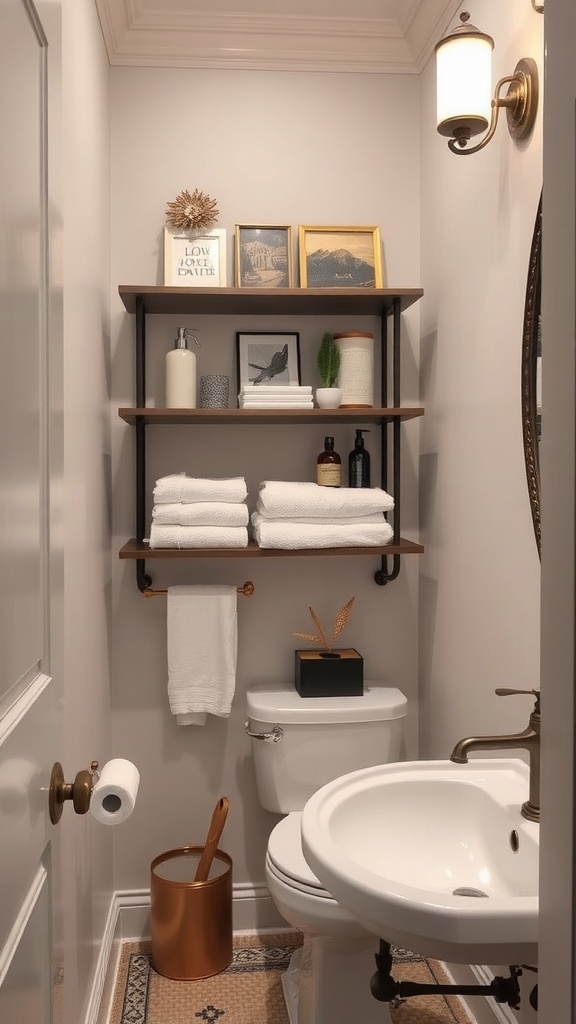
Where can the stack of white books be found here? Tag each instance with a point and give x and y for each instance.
(275, 396)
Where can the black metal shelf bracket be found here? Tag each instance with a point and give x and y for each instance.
(142, 578)
(384, 575)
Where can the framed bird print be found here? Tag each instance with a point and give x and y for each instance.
(270, 359)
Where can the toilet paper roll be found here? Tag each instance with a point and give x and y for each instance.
(114, 795)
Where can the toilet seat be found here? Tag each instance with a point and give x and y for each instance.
(298, 894)
(286, 860)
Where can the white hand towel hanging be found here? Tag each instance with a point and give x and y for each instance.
(202, 642)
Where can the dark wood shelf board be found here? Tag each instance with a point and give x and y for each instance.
(237, 416)
(132, 550)
(268, 302)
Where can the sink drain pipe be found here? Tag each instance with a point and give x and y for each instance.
(387, 990)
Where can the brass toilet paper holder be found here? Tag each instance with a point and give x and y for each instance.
(79, 791)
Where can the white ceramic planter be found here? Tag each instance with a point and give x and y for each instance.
(328, 398)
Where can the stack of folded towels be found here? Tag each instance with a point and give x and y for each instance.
(192, 512)
(304, 515)
(275, 396)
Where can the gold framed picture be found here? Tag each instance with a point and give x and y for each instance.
(263, 256)
(339, 257)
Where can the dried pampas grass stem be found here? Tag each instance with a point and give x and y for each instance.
(320, 638)
(341, 620)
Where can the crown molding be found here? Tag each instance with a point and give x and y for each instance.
(398, 37)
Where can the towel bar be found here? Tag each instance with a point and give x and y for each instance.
(247, 589)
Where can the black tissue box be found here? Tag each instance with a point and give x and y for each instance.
(321, 674)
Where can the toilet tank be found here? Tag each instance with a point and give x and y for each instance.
(300, 743)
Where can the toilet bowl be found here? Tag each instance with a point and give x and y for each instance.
(334, 967)
(298, 894)
(298, 744)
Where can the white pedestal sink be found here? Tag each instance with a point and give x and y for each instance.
(432, 856)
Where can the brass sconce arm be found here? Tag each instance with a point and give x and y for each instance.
(521, 103)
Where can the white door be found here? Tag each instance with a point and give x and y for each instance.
(30, 637)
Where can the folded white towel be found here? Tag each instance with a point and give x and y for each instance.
(284, 399)
(278, 404)
(275, 533)
(170, 536)
(180, 487)
(375, 517)
(278, 389)
(274, 395)
(201, 513)
(285, 499)
(202, 641)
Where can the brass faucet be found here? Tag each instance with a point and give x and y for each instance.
(529, 739)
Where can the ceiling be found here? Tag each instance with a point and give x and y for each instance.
(376, 36)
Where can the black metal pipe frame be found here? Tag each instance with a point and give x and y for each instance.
(142, 578)
(382, 576)
(384, 987)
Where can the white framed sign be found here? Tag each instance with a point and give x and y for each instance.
(195, 258)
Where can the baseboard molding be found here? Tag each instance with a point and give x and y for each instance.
(129, 919)
(106, 966)
(252, 910)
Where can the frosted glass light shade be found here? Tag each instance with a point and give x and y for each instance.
(464, 83)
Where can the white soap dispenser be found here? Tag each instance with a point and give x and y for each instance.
(181, 372)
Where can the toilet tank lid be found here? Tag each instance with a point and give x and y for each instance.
(283, 704)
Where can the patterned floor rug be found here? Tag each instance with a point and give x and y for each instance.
(250, 990)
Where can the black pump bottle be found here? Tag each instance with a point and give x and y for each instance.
(359, 463)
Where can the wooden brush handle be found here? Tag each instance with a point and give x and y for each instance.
(212, 839)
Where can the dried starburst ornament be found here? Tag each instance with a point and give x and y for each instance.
(339, 623)
(192, 210)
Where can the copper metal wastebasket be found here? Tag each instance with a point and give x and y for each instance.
(191, 922)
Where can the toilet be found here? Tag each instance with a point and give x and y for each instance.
(298, 745)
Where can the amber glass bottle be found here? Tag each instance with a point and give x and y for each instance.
(328, 466)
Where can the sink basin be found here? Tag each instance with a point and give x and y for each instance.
(432, 856)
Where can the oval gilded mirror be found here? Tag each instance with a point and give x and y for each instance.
(531, 366)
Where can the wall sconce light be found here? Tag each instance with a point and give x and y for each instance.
(539, 8)
(464, 87)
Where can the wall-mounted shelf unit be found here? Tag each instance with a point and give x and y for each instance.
(269, 301)
(381, 302)
(134, 550)
(236, 416)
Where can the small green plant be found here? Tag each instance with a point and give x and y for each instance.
(328, 360)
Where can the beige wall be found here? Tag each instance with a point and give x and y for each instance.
(87, 846)
(299, 148)
(271, 148)
(480, 576)
(479, 588)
